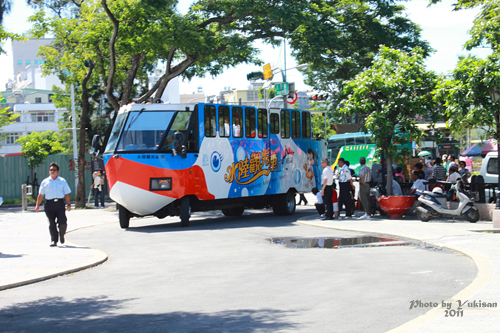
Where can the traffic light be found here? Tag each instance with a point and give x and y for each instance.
(318, 98)
(255, 76)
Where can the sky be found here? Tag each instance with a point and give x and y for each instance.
(445, 30)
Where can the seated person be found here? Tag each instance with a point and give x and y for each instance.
(320, 206)
(418, 182)
(399, 173)
(454, 175)
(335, 201)
(396, 188)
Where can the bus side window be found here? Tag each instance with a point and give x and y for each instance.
(237, 116)
(262, 123)
(306, 125)
(210, 126)
(224, 127)
(285, 124)
(250, 122)
(275, 123)
(296, 124)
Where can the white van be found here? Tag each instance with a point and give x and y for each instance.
(489, 168)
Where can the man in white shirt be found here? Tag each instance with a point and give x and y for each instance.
(327, 188)
(345, 182)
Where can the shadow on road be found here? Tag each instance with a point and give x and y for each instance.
(210, 221)
(100, 314)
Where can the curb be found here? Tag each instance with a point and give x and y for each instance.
(99, 258)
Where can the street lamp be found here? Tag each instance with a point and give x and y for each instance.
(495, 97)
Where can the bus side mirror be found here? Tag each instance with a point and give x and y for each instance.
(95, 141)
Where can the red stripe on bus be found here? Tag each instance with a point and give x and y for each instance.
(189, 181)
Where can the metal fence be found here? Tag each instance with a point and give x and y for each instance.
(14, 172)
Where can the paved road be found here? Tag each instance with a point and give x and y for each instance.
(221, 275)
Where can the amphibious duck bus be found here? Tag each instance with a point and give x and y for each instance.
(172, 159)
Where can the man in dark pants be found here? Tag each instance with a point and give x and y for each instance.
(346, 185)
(327, 188)
(56, 191)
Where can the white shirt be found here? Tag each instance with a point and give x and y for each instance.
(319, 197)
(328, 175)
(453, 177)
(236, 130)
(419, 185)
(54, 188)
(344, 174)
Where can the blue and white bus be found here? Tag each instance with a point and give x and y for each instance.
(173, 159)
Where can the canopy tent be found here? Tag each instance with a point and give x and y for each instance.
(474, 150)
(490, 145)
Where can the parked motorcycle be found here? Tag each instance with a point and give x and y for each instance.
(433, 204)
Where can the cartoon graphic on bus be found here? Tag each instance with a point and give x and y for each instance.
(173, 160)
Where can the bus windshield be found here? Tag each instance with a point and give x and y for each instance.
(144, 130)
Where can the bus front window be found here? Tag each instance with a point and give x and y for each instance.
(180, 124)
(144, 130)
(115, 132)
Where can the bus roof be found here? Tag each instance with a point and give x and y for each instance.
(349, 135)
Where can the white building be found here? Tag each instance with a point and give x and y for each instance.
(36, 113)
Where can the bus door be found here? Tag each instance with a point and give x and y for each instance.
(274, 137)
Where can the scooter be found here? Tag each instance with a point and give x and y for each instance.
(433, 204)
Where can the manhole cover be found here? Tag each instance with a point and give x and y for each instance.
(337, 242)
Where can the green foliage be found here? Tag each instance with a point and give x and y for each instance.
(340, 39)
(318, 127)
(392, 93)
(467, 95)
(38, 145)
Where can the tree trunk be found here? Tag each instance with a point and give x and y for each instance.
(388, 162)
(84, 123)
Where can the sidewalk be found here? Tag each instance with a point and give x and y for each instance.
(25, 255)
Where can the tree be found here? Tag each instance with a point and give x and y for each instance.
(467, 95)
(393, 92)
(341, 39)
(38, 145)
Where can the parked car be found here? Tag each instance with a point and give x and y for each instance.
(489, 168)
(1, 201)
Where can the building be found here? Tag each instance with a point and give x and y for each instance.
(36, 113)
(26, 66)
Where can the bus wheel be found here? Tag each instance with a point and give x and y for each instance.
(234, 211)
(285, 204)
(185, 212)
(123, 216)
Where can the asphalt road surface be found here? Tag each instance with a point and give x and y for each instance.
(222, 275)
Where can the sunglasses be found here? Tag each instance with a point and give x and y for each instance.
(53, 170)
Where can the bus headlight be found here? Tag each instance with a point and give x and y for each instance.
(160, 184)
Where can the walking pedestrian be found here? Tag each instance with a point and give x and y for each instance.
(327, 188)
(346, 185)
(365, 177)
(302, 197)
(56, 190)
